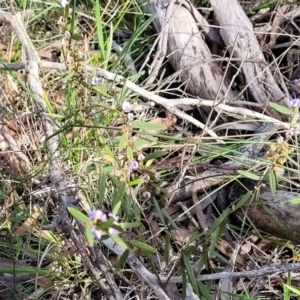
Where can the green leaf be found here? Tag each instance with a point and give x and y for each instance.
(89, 236)
(129, 153)
(102, 185)
(242, 200)
(159, 212)
(123, 141)
(78, 215)
(122, 260)
(119, 194)
(191, 275)
(147, 125)
(100, 34)
(117, 207)
(143, 143)
(109, 40)
(282, 109)
(25, 270)
(143, 247)
(118, 241)
(69, 76)
(205, 290)
(105, 225)
(167, 247)
(155, 155)
(214, 237)
(77, 37)
(101, 90)
(249, 175)
(294, 290)
(273, 182)
(127, 225)
(295, 201)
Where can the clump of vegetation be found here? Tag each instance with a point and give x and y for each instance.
(116, 174)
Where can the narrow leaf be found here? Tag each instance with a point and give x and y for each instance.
(122, 260)
(123, 141)
(142, 246)
(147, 125)
(249, 175)
(78, 215)
(129, 153)
(117, 208)
(295, 201)
(25, 270)
(242, 200)
(155, 155)
(191, 275)
(119, 241)
(282, 109)
(89, 236)
(273, 182)
(294, 290)
(102, 185)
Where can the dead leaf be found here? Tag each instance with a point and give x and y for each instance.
(181, 235)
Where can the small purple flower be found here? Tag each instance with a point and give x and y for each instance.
(141, 157)
(146, 195)
(133, 165)
(130, 116)
(95, 80)
(289, 133)
(280, 139)
(64, 3)
(113, 216)
(126, 107)
(96, 233)
(297, 81)
(146, 178)
(97, 215)
(294, 102)
(113, 231)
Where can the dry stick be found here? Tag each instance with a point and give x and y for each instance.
(55, 169)
(22, 158)
(234, 24)
(168, 103)
(210, 31)
(202, 218)
(139, 268)
(162, 44)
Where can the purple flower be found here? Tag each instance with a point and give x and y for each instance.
(113, 231)
(113, 216)
(146, 195)
(133, 165)
(126, 107)
(280, 139)
(289, 133)
(97, 215)
(141, 157)
(96, 233)
(146, 178)
(95, 80)
(130, 116)
(297, 81)
(294, 102)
